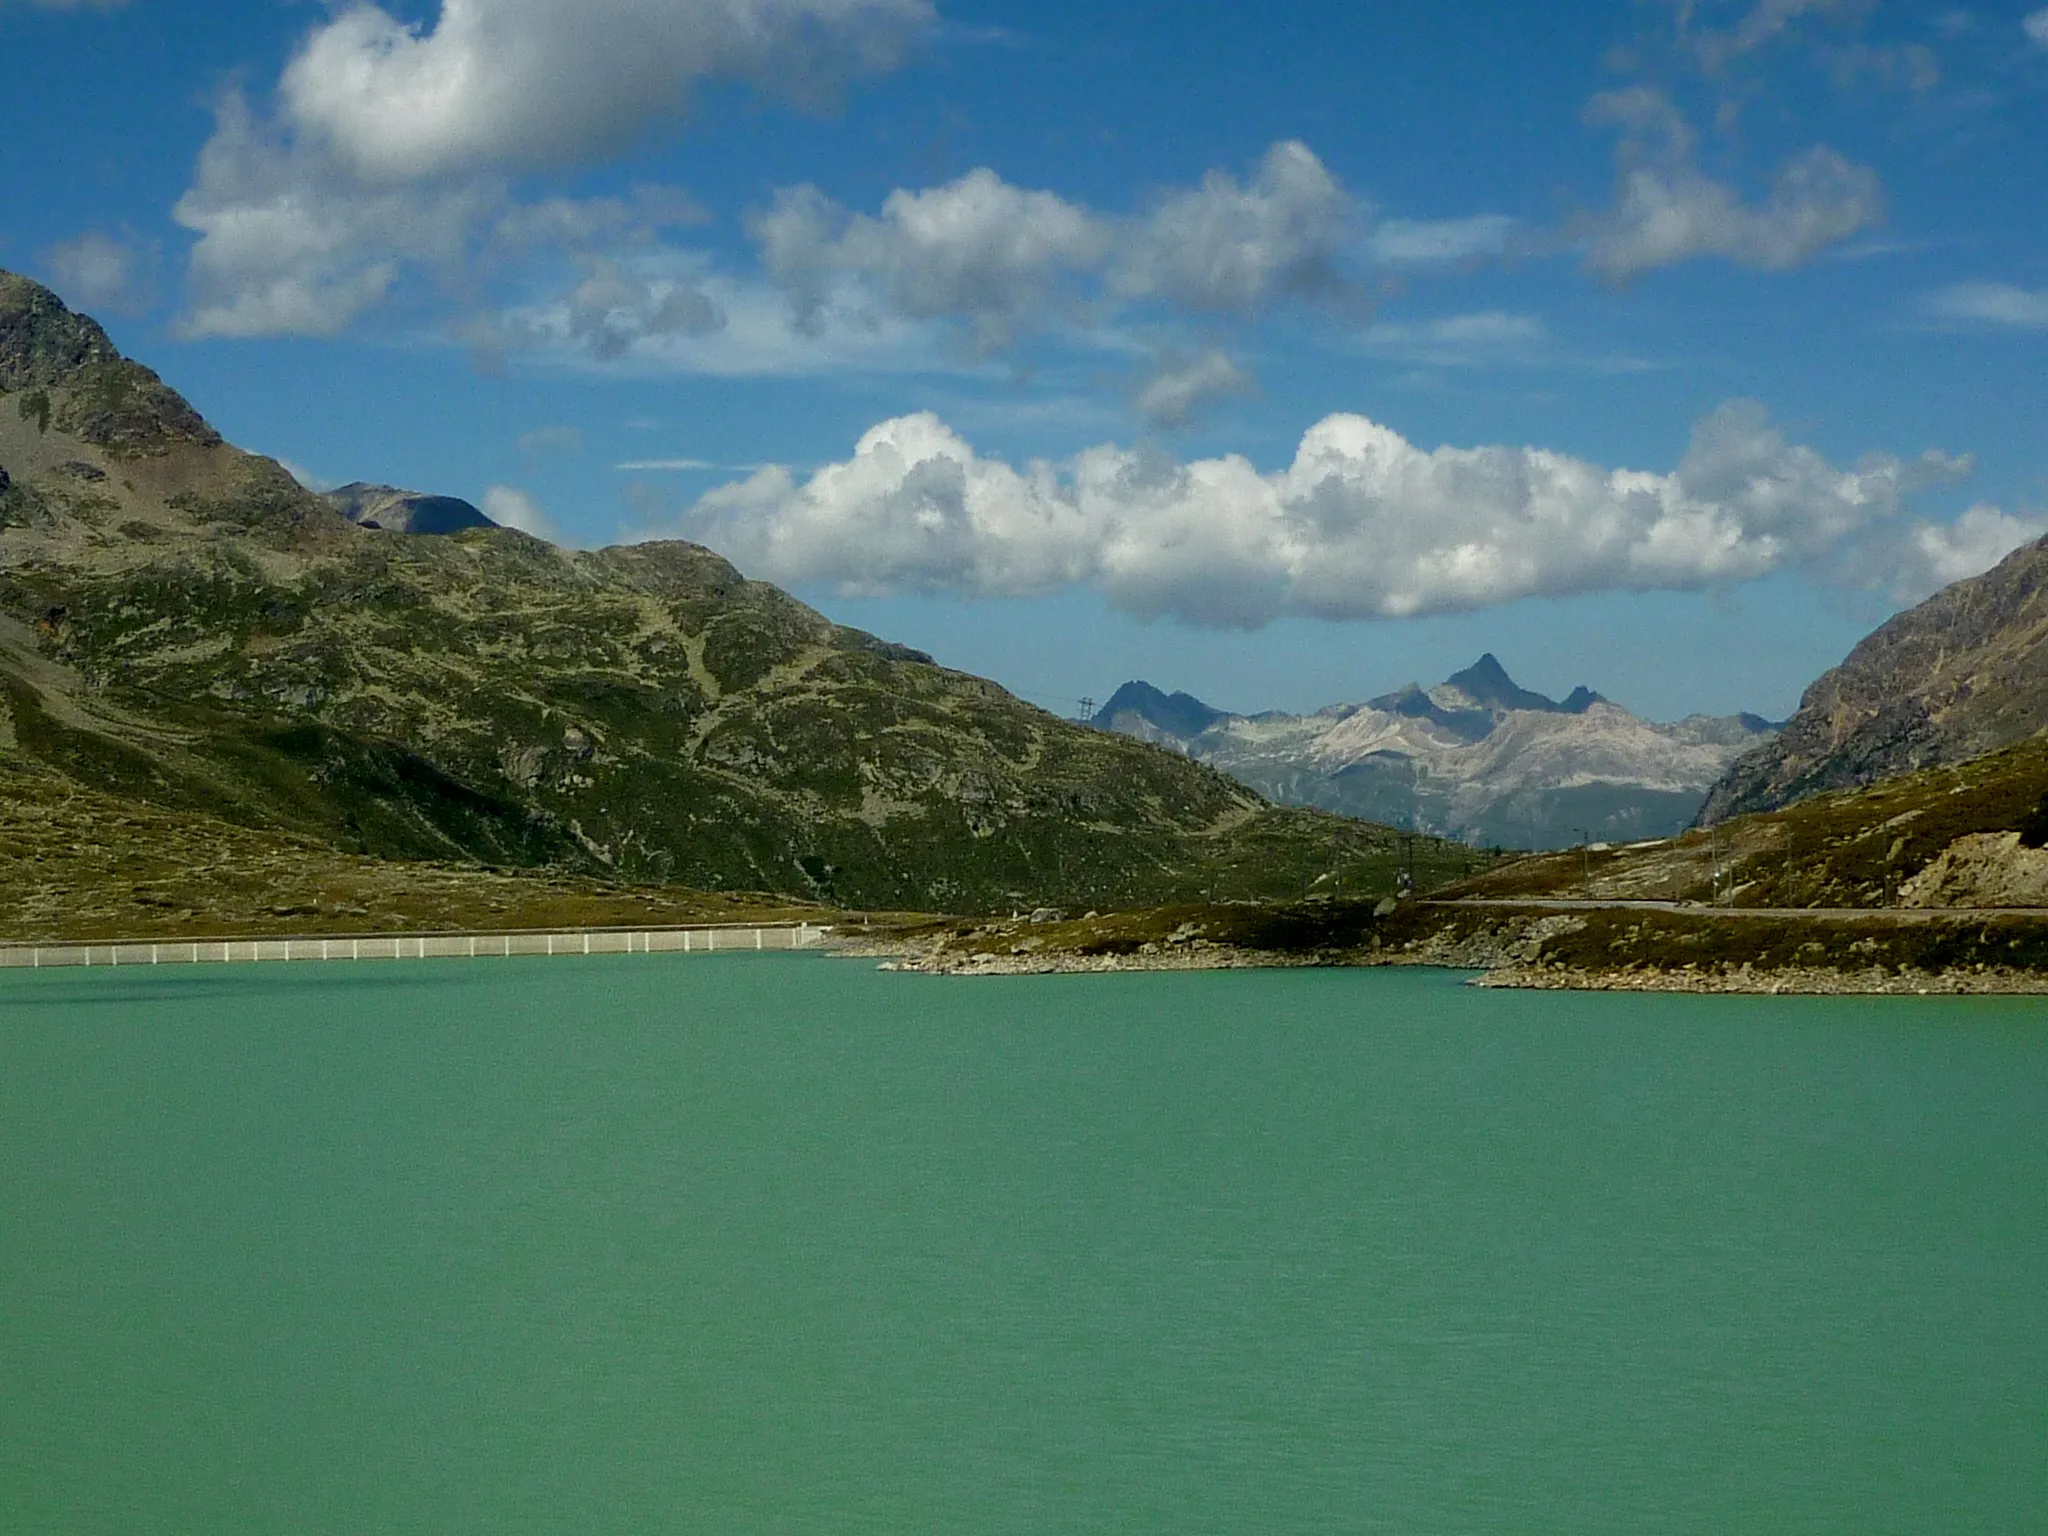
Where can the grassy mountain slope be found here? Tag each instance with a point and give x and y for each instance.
(80, 864)
(1971, 834)
(181, 624)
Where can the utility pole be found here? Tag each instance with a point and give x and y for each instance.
(1585, 860)
(1087, 710)
(1714, 833)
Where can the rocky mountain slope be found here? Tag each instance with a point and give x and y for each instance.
(1971, 834)
(1477, 758)
(1964, 673)
(182, 625)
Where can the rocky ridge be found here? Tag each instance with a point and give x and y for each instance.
(1962, 674)
(65, 373)
(1477, 758)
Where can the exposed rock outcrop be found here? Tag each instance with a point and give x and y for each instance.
(70, 376)
(1963, 674)
(1986, 869)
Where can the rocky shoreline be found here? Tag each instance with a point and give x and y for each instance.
(1802, 981)
(1795, 981)
(1534, 951)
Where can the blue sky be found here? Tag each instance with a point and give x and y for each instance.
(1282, 354)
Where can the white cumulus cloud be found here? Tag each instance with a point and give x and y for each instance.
(384, 174)
(1667, 210)
(1938, 554)
(1001, 260)
(392, 147)
(976, 249)
(291, 243)
(1236, 247)
(1362, 523)
(289, 246)
(496, 85)
(1914, 561)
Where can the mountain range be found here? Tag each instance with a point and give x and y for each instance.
(1477, 758)
(184, 626)
(188, 632)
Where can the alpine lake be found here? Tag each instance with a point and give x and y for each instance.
(784, 1244)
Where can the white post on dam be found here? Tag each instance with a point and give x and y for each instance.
(701, 939)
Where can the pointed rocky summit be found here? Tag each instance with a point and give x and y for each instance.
(69, 375)
(1138, 704)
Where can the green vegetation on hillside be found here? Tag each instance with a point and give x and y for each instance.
(1611, 941)
(84, 865)
(1548, 947)
(184, 627)
(1850, 848)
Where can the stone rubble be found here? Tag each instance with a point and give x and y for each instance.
(1508, 953)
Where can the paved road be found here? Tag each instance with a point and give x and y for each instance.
(1695, 909)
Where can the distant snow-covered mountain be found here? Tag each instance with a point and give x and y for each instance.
(1477, 757)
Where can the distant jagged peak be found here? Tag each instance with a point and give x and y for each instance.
(1487, 684)
(1180, 715)
(1581, 699)
(67, 374)
(401, 511)
(1467, 707)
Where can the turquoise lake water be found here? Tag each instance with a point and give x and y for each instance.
(787, 1245)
